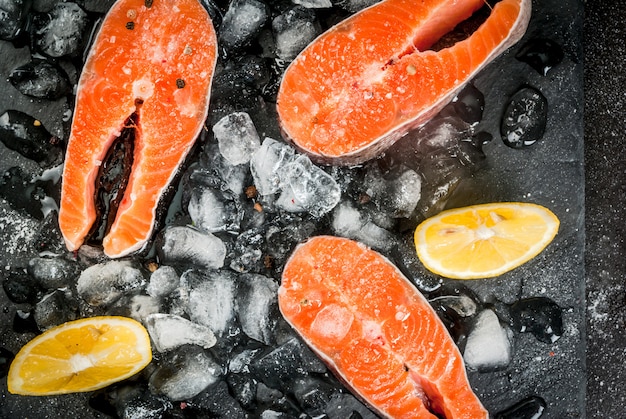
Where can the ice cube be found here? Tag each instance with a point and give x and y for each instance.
(307, 188)
(20, 287)
(273, 414)
(277, 404)
(257, 306)
(267, 163)
(405, 258)
(54, 309)
(314, 4)
(213, 170)
(212, 300)
(293, 31)
(441, 135)
(237, 137)
(52, 272)
(313, 395)
(456, 305)
(282, 237)
(163, 281)
(139, 403)
(287, 362)
(213, 210)
(397, 193)
(442, 175)
(47, 236)
(243, 387)
(170, 331)
(140, 307)
(354, 6)
(188, 246)
(488, 345)
(217, 402)
(248, 251)
(462, 304)
(104, 283)
(41, 79)
(343, 405)
(242, 22)
(256, 73)
(349, 222)
(241, 362)
(61, 32)
(185, 373)
(234, 90)
(13, 15)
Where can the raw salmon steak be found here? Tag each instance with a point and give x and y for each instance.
(153, 60)
(361, 315)
(367, 81)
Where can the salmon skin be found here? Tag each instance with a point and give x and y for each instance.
(371, 326)
(367, 81)
(155, 60)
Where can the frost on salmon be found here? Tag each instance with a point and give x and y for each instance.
(150, 70)
(360, 314)
(364, 83)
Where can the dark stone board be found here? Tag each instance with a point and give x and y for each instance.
(551, 173)
(605, 194)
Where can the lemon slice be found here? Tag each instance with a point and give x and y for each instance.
(81, 355)
(483, 241)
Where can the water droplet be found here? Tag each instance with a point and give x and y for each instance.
(529, 408)
(540, 316)
(524, 120)
(541, 54)
(26, 135)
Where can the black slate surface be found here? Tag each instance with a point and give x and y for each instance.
(605, 162)
(605, 253)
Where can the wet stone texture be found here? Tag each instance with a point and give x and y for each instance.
(258, 365)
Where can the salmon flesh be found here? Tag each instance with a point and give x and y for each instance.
(367, 81)
(371, 326)
(150, 70)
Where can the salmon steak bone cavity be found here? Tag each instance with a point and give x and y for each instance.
(368, 80)
(149, 70)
